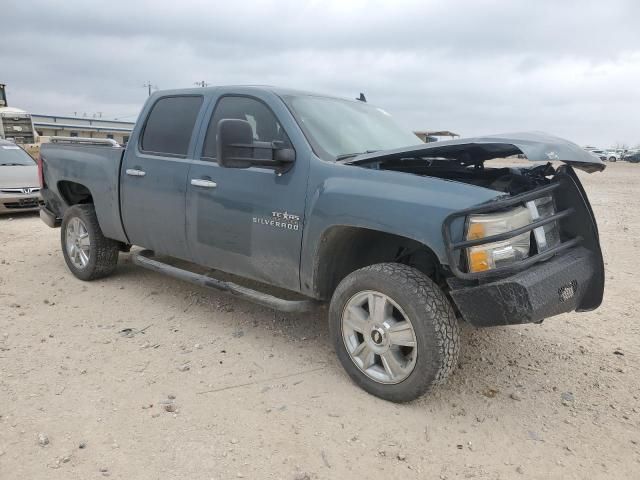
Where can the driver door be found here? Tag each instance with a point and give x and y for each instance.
(247, 221)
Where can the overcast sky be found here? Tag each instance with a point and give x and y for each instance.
(475, 67)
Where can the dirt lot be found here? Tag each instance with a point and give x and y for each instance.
(260, 394)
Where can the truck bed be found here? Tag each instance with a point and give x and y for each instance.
(97, 167)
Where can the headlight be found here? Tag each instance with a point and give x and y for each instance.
(498, 254)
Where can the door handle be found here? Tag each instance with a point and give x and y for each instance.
(201, 182)
(134, 172)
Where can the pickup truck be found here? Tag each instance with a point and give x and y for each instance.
(304, 199)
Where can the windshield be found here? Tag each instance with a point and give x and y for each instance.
(14, 155)
(338, 127)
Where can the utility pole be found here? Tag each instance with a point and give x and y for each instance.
(201, 84)
(149, 85)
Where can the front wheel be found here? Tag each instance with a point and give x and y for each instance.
(394, 331)
(87, 252)
(612, 159)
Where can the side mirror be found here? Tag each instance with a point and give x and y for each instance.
(235, 143)
(237, 149)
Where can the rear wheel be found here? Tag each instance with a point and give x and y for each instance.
(87, 252)
(612, 159)
(394, 331)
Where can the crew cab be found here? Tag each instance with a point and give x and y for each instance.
(308, 199)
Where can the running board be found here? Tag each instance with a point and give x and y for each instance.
(143, 259)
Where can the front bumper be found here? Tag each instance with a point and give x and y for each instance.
(564, 278)
(12, 203)
(563, 284)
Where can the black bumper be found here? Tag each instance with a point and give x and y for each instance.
(567, 282)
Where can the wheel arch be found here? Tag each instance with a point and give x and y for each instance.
(74, 193)
(107, 207)
(343, 249)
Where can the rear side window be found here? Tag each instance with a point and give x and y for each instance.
(264, 123)
(170, 124)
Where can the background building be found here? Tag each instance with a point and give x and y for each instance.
(62, 126)
(435, 135)
(3, 95)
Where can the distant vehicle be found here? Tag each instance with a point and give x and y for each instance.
(633, 157)
(15, 124)
(19, 186)
(595, 155)
(613, 156)
(605, 155)
(601, 154)
(332, 200)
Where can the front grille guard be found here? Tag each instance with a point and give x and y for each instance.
(452, 247)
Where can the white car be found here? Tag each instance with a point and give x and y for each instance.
(613, 156)
(606, 155)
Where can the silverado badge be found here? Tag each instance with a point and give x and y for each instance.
(284, 220)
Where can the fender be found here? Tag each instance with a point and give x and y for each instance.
(397, 203)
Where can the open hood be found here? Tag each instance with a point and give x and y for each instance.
(536, 146)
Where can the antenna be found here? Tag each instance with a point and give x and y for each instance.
(362, 98)
(202, 84)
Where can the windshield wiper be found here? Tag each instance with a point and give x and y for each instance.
(349, 155)
(12, 164)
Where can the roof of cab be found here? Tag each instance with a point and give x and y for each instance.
(279, 91)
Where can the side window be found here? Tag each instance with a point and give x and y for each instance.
(170, 124)
(264, 123)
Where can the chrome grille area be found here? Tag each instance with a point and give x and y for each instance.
(21, 190)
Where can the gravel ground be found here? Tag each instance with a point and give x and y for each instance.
(204, 386)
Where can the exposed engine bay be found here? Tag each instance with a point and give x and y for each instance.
(467, 160)
(512, 180)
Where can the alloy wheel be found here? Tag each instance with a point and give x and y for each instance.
(78, 243)
(379, 337)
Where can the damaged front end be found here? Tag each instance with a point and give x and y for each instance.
(562, 270)
(531, 253)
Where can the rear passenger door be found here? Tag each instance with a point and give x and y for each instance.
(153, 177)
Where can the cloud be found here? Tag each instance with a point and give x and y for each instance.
(569, 68)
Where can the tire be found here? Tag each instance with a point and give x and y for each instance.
(612, 159)
(100, 253)
(416, 299)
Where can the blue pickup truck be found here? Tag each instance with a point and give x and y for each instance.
(303, 199)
